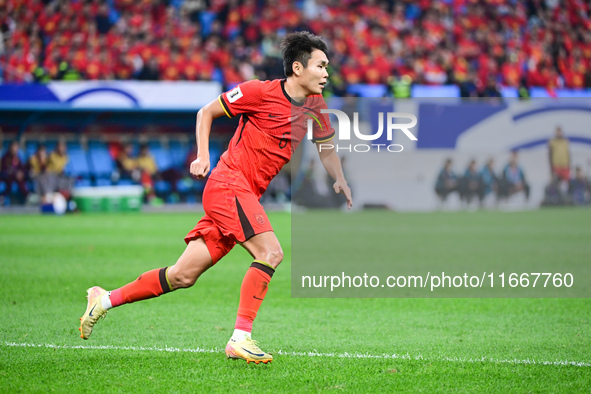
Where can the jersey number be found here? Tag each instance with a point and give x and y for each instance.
(283, 141)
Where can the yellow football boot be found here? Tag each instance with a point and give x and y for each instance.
(248, 350)
(94, 311)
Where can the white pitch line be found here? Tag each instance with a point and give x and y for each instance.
(529, 361)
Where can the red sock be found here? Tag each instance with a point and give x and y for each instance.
(148, 285)
(253, 290)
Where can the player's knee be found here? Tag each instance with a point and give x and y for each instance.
(181, 280)
(274, 256)
(186, 281)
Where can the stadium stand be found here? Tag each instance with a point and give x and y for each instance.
(378, 47)
(101, 161)
(518, 44)
(78, 164)
(92, 163)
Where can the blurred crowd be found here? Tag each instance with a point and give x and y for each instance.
(36, 178)
(43, 174)
(478, 185)
(142, 169)
(477, 45)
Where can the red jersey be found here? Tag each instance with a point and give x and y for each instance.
(270, 129)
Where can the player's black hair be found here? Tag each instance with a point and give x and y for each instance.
(298, 47)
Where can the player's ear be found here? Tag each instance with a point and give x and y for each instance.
(296, 67)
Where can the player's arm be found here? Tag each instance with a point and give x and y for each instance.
(331, 162)
(205, 116)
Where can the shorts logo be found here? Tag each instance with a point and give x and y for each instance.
(260, 218)
(234, 94)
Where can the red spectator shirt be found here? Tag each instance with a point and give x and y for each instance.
(270, 129)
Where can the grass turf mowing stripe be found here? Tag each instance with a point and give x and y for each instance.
(44, 283)
(313, 354)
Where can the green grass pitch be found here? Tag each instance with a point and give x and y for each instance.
(175, 343)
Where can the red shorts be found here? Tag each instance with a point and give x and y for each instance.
(562, 173)
(231, 215)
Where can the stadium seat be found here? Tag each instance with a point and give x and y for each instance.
(176, 143)
(184, 186)
(206, 19)
(365, 90)
(198, 186)
(162, 187)
(178, 154)
(217, 75)
(31, 148)
(177, 3)
(101, 162)
(162, 157)
(23, 155)
(50, 145)
(125, 182)
(78, 164)
(95, 144)
(435, 91)
(154, 144)
(214, 156)
(73, 145)
(82, 183)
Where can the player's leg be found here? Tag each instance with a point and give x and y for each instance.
(238, 216)
(194, 261)
(267, 254)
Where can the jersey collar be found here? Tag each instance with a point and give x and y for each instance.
(288, 97)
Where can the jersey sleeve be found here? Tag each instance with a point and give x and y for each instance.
(244, 98)
(323, 130)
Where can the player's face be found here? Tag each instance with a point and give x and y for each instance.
(315, 76)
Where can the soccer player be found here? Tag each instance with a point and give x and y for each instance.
(559, 155)
(274, 121)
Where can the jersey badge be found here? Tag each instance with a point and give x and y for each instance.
(260, 218)
(234, 94)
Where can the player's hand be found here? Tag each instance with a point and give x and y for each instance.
(200, 167)
(341, 186)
